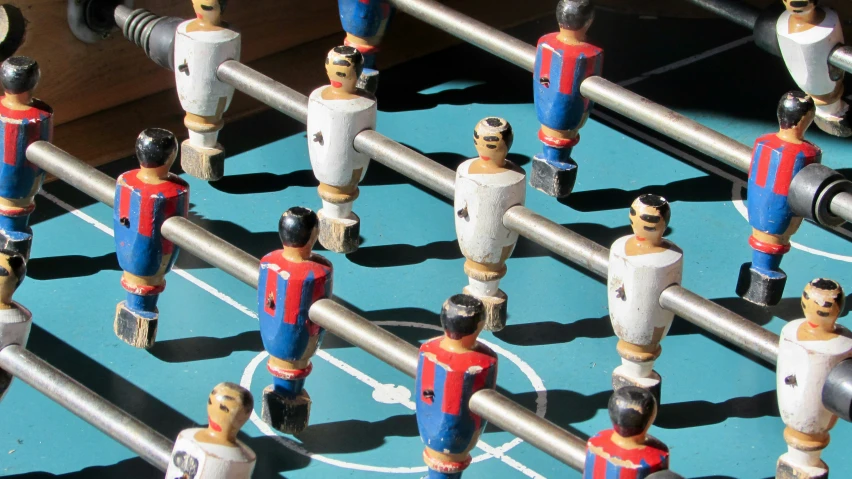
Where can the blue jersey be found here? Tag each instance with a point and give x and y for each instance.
(364, 18)
(20, 128)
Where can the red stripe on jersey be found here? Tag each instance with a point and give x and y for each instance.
(427, 379)
(124, 201)
(546, 60)
(600, 467)
(10, 143)
(453, 388)
(763, 165)
(271, 289)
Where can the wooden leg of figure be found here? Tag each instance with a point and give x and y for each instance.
(762, 280)
(832, 113)
(339, 227)
(201, 155)
(136, 317)
(484, 284)
(369, 79)
(286, 404)
(637, 367)
(554, 172)
(802, 460)
(445, 466)
(15, 232)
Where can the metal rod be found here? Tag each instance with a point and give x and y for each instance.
(736, 11)
(841, 57)
(668, 122)
(72, 171)
(212, 249)
(558, 239)
(472, 31)
(151, 446)
(407, 162)
(265, 89)
(523, 423)
(721, 322)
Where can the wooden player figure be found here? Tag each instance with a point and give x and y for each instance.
(365, 22)
(144, 200)
(24, 120)
(563, 60)
(450, 370)
(809, 348)
(626, 450)
(776, 159)
(201, 45)
(641, 266)
(336, 114)
(213, 452)
(291, 280)
(486, 187)
(15, 320)
(807, 34)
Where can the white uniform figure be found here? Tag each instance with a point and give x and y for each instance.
(201, 45)
(641, 266)
(15, 320)
(486, 187)
(214, 452)
(337, 113)
(808, 349)
(807, 36)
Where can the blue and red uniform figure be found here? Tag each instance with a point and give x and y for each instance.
(563, 60)
(365, 22)
(627, 451)
(291, 280)
(776, 159)
(450, 370)
(23, 120)
(144, 199)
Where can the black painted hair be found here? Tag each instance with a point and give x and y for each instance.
(574, 14)
(296, 226)
(246, 398)
(222, 5)
(658, 202)
(803, 3)
(352, 55)
(461, 315)
(492, 125)
(18, 265)
(794, 106)
(155, 147)
(631, 410)
(831, 286)
(19, 74)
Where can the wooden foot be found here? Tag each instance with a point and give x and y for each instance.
(552, 180)
(495, 309)
(203, 163)
(760, 288)
(288, 415)
(786, 469)
(136, 329)
(653, 383)
(339, 235)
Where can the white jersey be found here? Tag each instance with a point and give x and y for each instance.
(198, 55)
(15, 324)
(806, 53)
(201, 460)
(332, 127)
(480, 202)
(802, 369)
(634, 285)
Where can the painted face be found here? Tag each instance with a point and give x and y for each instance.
(225, 411)
(207, 10)
(341, 72)
(821, 308)
(490, 146)
(799, 6)
(8, 282)
(647, 222)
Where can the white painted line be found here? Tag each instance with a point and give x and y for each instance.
(490, 451)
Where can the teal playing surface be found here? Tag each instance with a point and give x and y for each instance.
(718, 413)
